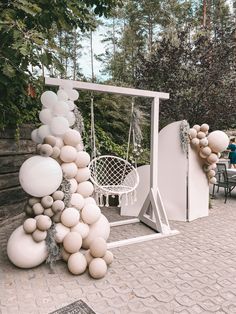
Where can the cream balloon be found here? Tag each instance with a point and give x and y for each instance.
(70, 217)
(45, 116)
(61, 232)
(77, 263)
(218, 141)
(39, 235)
(108, 257)
(71, 104)
(70, 118)
(83, 174)
(89, 200)
(82, 229)
(90, 213)
(43, 223)
(77, 200)
(62, 95)
(59, 125)
(58, 206)
(192, 133)
(46, 150)
(72, 137)
(43, 131)
(58, 195)
(40, 176)
(85, 188)
(204, 127)
(197, 127)
(195, 141)
(97, 268)
(98, 247)
(23, 251)
(59, 142)
(101, 228)
(73, 94)
(35, 137)
(68, 153)
(48, 99)
(83, 159)
(29, 225)
(69, 169)
(61, 108)
(88, 256)
(73, 185)
(65, 255)
(72, 242)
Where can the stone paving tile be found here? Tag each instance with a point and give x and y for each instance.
(192, 273)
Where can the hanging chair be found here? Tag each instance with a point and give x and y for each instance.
(112, 175)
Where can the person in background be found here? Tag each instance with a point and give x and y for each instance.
(232, 152)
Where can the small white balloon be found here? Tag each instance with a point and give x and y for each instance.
(61, 108)
(71, 104)
(73, 94)
(59, 125)
(62, 95)
(45, 116)
(71, 118)
(43, 131)
(48, 99)
(35, 137)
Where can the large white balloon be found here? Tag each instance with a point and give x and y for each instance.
(59, 125)
(45, 116)
(73, 94)
(101, 228)
(48, 99)
(40, 176)
(218, 141)
(23, 251)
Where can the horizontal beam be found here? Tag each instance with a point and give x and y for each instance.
(148, 237)
(107, 88)
(124, 222)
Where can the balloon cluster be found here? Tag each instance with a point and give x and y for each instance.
(73, 213)
(209, 147)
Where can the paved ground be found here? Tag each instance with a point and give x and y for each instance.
(193, 272)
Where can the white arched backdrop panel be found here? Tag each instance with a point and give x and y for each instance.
(182, 182)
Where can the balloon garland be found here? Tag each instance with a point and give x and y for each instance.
(209, 147)
(64, 216)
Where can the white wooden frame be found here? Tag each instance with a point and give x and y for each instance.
(153, 212)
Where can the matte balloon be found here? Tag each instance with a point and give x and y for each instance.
(40, 176)
(72, 137)
(218, 141)
(97, 268)
(108, 257)
(192, 133)
(213, 180)
(72, 242)
(58, 195)
(61, 232)
(77, 200)
(101, 228)
(82, 229)
(73, 94)
(55, 152)
(46, 150)
(47, 201)
(212, 158)
(73, 185)
(71, 118)
(39, 235)
(82, 160)
(197, 127)
(70, 217)
(43, 223)
(62, 95)
(77, 263)
(68, 153)
(61, 108)
(71, 104)
(59, 125)
(195, 141)
(203, 142)
(65, 255)
(83, 174)
(69, 169)
(38, 209)
(58, 206)
(29, 225)
(206, 151)
(98, 247)
(90, 213)
(51, 140)
(48, 212)
(48, 99)
(45, 116)
(35, 137)
(201, 134)
(43, 131)
(204, 127)
(59, 142)
(33, 200)
(88, 256)
(23, 251)
(89, 200)
(80, 147)
(85, 188)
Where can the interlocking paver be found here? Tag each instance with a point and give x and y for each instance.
(192, 273)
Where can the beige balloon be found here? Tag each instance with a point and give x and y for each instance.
(47, 201)
(72, 137)
(70, 217)
(108, 257)
(23, 251)
(39, 236)
(85, 188)
(68, 153)
(43, 223)
(82, 229)
(61, 232)
(72, 242)
(98, 247)
(88, 256)
(90, 213)
(97, 268)
(69, 169)
(29, 225)
(77, 263)
(83, 159)
(65, 255)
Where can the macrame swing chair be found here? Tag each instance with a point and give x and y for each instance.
(112, 175)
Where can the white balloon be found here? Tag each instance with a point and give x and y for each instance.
(48, 99)
(40, 176)
(73, 185)
(61, 108)
(45, 116)
(85, 188)
(35, 138)
(83, 159)
(73, 94)
(218, 141)
(77, 201)
(59, 125)
(71, 118)
(62, 95)
(43, 131)
(89, 200)
(23, 251)
(71, 104)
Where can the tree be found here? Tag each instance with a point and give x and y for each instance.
(28, 32)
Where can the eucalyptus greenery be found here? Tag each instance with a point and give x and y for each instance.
(52, 246)
(65, 188)
(184, 138)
